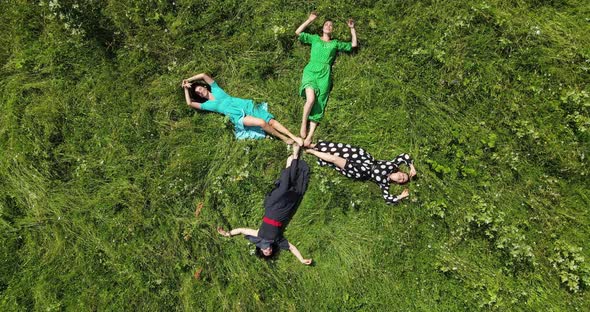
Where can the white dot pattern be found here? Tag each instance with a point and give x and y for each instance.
(361, 165)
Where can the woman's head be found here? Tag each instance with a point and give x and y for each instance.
(328, 27)
(200, 92)
(266, 252)
(399, 177)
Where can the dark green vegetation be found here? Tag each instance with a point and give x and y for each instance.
(102, 164)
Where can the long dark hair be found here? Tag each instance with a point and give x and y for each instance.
(193, 94)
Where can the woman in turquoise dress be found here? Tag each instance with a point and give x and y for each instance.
(316, 82)
(248, 119)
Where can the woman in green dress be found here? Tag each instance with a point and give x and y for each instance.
(317, 75)
(250, 121)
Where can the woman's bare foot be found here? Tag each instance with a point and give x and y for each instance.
(307, 142)
(303, 131)
(299, 141)
(289, 141)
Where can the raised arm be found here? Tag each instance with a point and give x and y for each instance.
(201, 76)
(352, 33)
(403, 159)
(297, 254)
(243, 231)
(412, 170)
(312, 16)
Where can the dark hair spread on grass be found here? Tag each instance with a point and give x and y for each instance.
(194, 95)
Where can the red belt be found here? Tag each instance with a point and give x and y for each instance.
(272, 222)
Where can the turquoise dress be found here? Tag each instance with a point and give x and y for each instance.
(318, 72)
(236, 109)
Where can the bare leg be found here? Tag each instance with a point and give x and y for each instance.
(309, 137)
(257, 122)
(294, 156)
(336, 160)
(280, 128)
(309, 101)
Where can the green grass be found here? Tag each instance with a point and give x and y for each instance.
(102, 164)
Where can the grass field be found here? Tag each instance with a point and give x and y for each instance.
(102, 165)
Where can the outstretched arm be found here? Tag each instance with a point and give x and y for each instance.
(201, 76)
(312, 16)
(243, 231)
(297, 254)
(352, 33)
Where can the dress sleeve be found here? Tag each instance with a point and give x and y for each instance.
(403, 159)
(283, 244)
(208, 106)
(390, 199)
(253, 239)
(214, 85)
(305, 38)
(344, 46)
(216, 89)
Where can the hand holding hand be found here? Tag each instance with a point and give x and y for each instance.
(312, 16)
(223, 232)
(350, 23)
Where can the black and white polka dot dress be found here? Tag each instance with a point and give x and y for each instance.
(361, 165)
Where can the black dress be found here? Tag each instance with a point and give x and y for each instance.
(361, 165)
(280, 205)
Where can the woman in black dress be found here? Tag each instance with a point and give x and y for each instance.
(280, 205)
(354, 162)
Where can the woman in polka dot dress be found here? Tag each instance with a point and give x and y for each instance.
(354, 162)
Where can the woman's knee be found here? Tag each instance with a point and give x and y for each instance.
(254, 122)
(309, 96)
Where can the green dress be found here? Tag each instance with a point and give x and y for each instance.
(318, 72)
(236, 109)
